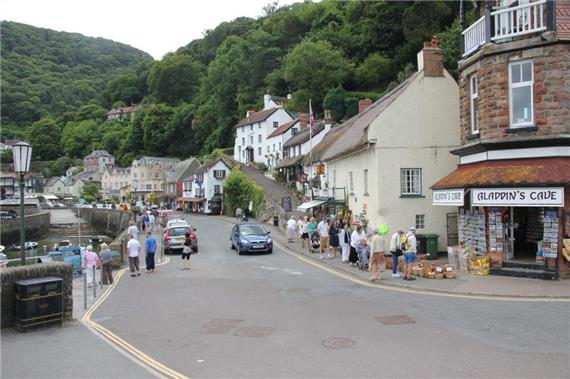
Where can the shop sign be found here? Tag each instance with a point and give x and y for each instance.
(448, 197)
(518, 197)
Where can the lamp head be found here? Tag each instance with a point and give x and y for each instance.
(22, 155)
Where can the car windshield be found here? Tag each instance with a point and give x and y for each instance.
(180, 231)
(248, 230)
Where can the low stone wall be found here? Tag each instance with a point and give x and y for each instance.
(110, 222)
(36, 226)
(11, 274)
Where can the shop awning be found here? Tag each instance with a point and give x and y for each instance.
(311, 204)
(194, 199)
(509, 173)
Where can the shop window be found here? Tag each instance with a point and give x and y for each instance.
(521, 94)
(420, 221)
(411, 181)
(474, 95)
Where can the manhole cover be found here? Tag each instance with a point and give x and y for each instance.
(395, 320)
(219, 326)
(253, 331)
(338, 343)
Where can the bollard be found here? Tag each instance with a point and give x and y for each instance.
(94, 281)
(84, 289)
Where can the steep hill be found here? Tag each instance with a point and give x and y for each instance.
(47, 73)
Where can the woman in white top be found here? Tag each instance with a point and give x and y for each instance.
(304, 230)
(344, 242)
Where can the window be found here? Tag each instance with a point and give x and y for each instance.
(293, 131)
(187, 186)
(259, 138)
(474, 96)
(251, 127)
(219, 174)
(279, 145)
(350, 182)
(274, 147)
(520, 94)
(365, 178)
(275, 124)
(259, 151)
(259, 126)
(251, 140)
(411, 181)
(216, 189)
(420, 221)
(142, 174)
(200, 177)
(268, 148)
(243, 141)
(155, 186)
(149, 186)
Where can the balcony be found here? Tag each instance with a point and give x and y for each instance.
(504, 24)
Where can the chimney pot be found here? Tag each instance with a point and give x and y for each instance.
(363, 104)
(430, 59)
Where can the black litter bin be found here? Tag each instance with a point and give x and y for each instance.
(38, 302)
(275, 221)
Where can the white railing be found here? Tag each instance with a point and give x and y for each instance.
(474, 36)
(520, 20)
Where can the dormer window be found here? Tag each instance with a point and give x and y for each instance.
(293, 131)
(521, 94)
(275, 124)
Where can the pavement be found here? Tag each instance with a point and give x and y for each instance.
(464, 283)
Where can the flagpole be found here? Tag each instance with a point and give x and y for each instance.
(310, 147)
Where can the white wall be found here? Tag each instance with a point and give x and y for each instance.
(210, 182)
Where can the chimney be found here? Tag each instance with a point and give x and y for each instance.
(328, 117)
(302, 121)
(267, 101)
(363, 104)
(248, 113)
(430, 59)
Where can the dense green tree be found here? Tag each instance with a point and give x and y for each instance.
(44, 137)
(90, 193)
(60, 165)
(77, 138)
(158, 132)
(374, 72)
(175, 79)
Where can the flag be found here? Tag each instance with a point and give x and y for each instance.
(311, 119)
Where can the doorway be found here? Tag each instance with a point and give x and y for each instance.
(527, 231)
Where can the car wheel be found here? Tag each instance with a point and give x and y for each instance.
(270, 251)
(239, 250)
(232, 245)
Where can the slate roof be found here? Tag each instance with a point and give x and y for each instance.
(303, 135)
(257, 117)
(209, 164)
(356, 137)
(318, 150)
(283, 128)
(98, 154)
(289, 162)
(182, 169)
(507, 173)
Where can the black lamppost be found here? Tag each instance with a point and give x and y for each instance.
(22, 155)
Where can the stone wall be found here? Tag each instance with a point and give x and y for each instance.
(551, 98)
(110, 222)
(11, 274)
(36, 226)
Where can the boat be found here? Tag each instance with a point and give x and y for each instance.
(27, 246)
(62, 243)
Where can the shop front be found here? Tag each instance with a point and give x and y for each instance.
(509, 219)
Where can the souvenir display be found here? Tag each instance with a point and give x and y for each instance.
(550, 235)
(496, 230)
(471, 229)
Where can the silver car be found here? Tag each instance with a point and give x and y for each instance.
(175, 236)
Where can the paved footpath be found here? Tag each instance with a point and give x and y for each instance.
(464, 283)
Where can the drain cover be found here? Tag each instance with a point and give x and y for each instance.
(219, 326)
(253, 331)
(338, 343)
(395, 320)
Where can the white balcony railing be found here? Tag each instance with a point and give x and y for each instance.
(474, 36)
(520, 20)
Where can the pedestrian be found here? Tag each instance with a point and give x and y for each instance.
(291, 225)
(186, 251)
(304, 232)
(298, 229)
(238, 214)
(344, 242)
(409, 246)
(334, 238)
(150, 246)
(396, 251)
(133, 230)
(311, 229)
(106, 264)
(377, 248)
(90, 262)
(134, 247)
(323, 228)
(144, 221)
(151, 221)
(358, 242)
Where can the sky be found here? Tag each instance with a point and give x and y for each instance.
(156, 27)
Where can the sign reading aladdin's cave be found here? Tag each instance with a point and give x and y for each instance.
(448, 197)
(518, 197)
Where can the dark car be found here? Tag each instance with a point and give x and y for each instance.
(251, 238)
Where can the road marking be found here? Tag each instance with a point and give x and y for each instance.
(428, 292)
(120, 344)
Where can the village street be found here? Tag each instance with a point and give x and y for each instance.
(278, 316)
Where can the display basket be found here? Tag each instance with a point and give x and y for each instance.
(480, 266)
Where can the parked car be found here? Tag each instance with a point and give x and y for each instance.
(8, 214)
(176, 221)
(175, 235)
(250, 238)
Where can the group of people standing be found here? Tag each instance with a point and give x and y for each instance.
(90, 261)
(370, 248)
(134, 249)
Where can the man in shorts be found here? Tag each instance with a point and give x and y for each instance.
(134, 247)
(291, 229)
(323, 228)
(410, 251)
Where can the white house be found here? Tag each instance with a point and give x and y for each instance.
(251, 143)
(395, 148)
(203, 191)
(113, 179)
(68, 186)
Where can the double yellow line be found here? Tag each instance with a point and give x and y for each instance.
(120, 343)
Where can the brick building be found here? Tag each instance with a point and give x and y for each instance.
(513, 181)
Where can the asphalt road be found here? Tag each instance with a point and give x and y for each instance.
(277, 316)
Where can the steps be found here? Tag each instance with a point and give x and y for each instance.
(531, 270)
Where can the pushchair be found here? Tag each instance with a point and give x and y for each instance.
(315, 243)
(359, 259)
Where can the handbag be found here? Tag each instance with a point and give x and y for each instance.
(187, 250)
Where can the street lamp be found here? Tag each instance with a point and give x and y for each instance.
(22, 154)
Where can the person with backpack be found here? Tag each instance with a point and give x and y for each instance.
(396, 251)
(409, 247)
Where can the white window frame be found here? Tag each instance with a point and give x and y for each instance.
(521, 84)
(219, 189)
(408, 181)
(259, 138)
(420, 221)
(365, 179)
(259, 152)
(473, 83)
